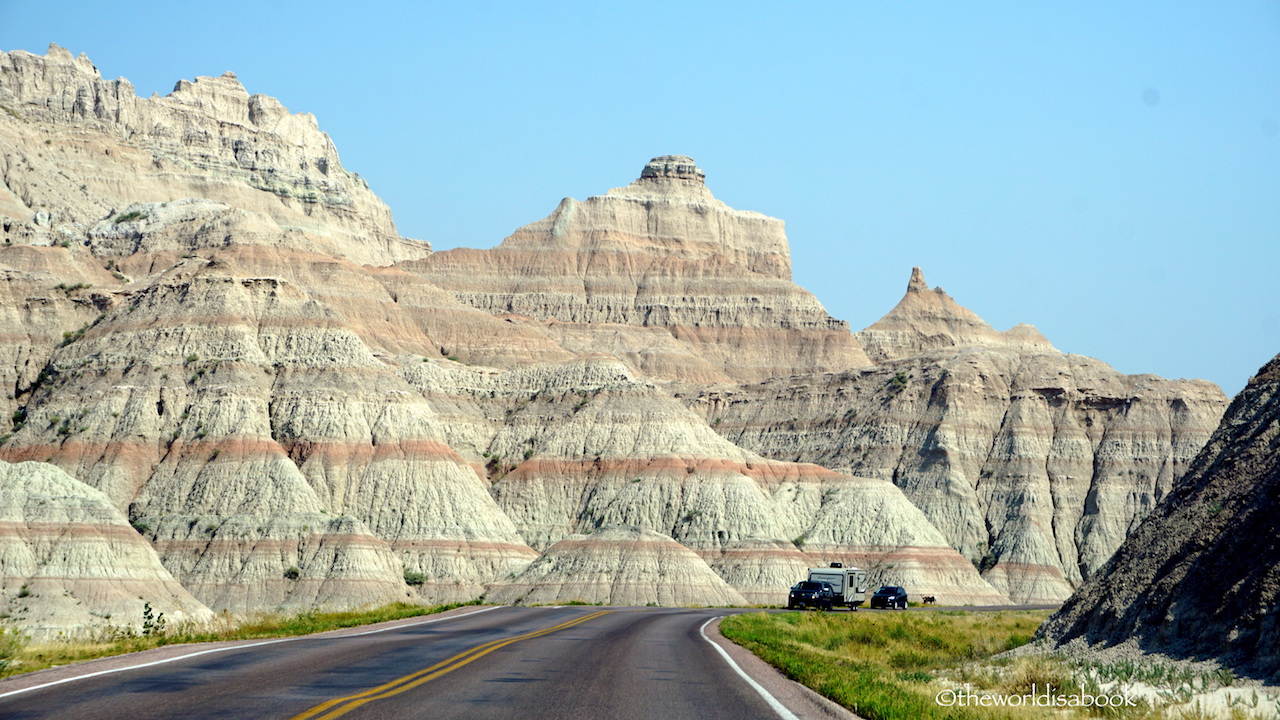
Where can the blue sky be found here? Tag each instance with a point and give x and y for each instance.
(1109, 172)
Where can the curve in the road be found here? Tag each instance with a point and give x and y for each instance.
(484, 664)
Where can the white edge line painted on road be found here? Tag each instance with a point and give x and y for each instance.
(240, 647)
(777, 706)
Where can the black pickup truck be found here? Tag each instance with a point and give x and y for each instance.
(808, 593)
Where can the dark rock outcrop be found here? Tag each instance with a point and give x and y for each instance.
(1200, 578)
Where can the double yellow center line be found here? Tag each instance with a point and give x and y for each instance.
(339, 706)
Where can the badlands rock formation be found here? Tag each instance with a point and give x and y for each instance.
(628, 454)
(69, 560)
(1035, 464)
(76, 149)
(243, 407)
(184, 355)
(209, 322)
(618, 566)
(926, 320)
(662, 275)
(1200, 577)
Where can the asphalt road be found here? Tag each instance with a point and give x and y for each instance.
(585, 663)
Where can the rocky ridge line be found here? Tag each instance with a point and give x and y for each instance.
(209, 138)
(660, 273)
(1034, 464)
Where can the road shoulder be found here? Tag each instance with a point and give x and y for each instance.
(805, 703)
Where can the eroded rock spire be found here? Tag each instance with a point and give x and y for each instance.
(917, 283)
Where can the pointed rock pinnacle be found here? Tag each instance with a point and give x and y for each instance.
(917, 283)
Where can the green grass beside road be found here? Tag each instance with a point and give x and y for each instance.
(897, 665)
(882, 665)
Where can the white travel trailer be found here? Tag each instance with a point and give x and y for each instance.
(850, 583)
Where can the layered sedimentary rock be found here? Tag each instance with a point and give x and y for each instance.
(46, 294)
(75, 148)
(617, 566)
(1033, 463)
(70, 562)
(1200, 577)
(84, 160)
(235, 411)
(220, 365)
(205, 325)
(762, 569)
(628, 454)
(661, 274)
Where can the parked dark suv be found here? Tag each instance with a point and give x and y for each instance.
(889, 596)
(809, 593)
